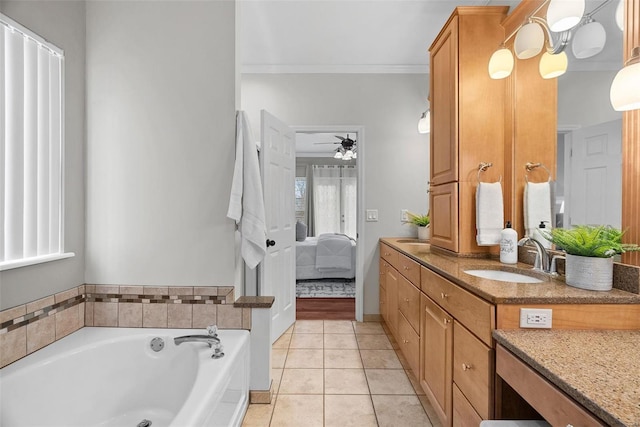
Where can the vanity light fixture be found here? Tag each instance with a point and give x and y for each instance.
(501, 63)
(625, 90)
(620, 15)
(562, 15)
(589, 39)
(552, 66)
(424, 124)
(529, 40)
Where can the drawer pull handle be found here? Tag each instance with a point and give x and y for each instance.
(406, 300)
(405, 341)
(405, 267)
(446, 321)
(443, 295)
(466, 367)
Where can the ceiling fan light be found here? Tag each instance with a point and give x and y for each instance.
(529, 41)
(620, 15)
(625, 91)
(563, 15)
(338, 155)
(552, 66)
(501, 64)
(424, 124)
(589, 40)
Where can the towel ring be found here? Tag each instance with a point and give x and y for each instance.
(483, 167)
(531, 166)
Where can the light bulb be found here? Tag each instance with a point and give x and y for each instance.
(552, 66)
(589, 40)
(338, 155)
(501, 64)
(563, 15)
(625, 90)
(529, 41)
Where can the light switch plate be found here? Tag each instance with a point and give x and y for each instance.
(404, 215)
(372, 215)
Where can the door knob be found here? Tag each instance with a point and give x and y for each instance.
(271, 242)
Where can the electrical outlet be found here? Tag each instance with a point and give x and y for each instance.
(404, 215)
(535, 318)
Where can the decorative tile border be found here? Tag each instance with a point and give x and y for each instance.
(29, 327)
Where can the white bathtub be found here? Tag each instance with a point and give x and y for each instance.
(111, 377)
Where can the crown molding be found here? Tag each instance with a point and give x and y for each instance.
(333, 69)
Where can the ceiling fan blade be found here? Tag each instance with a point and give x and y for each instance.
(326, 143)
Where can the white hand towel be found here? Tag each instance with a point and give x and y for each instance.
(246, 202)
(489, 213)
(537, 205)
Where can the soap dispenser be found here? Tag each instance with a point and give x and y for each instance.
(508, 245)
(537, 235)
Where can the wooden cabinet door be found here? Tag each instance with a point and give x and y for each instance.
(444, 216)
(444, 105)
(463, 413)
(391, 281)
(436, 357)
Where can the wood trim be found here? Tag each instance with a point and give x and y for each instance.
(553, 404)
(576, 316)
(630, 145)
(520, 13)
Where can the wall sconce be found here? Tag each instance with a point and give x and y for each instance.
(625, 91)
(563, 17)
(424, 124)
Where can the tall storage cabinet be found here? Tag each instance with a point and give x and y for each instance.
(467, 122)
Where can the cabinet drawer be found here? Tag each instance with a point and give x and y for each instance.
(474, 313)
(389, 254)
(409, 343)
(409, 302)
(556, 408)
(473, 370)
(463, 413)
(409, 269)
(383, 272)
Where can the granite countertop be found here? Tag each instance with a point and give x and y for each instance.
(598, 369)
(551, 291)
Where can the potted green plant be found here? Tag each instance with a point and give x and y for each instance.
(422, 222)
(589, 254)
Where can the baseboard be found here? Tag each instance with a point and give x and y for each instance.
(372, 318)
(261, 396)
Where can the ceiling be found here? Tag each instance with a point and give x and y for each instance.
(365, 36)
(310, 144)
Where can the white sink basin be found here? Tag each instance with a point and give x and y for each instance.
(503, 276)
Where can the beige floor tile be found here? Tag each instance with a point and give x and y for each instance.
(368, 328)
(380, 359)
(303, 358)
(345, 381)
(298, 410)
(342, 359)
(282, 342)
(403, 360)
(308, 327)
(431, 413)
(395, 411)
(340, 341)
(338, 327)
(373, 342)
(306, 341)
(302, 381)
(276, 376)
(278, 357)
(349, 411)
(258, 415)
(388, 381)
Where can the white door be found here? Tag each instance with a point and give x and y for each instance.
(277, 271)
(596, 175)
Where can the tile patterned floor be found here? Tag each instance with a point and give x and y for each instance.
(341, 373)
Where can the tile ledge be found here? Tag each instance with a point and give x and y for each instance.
(254, 302)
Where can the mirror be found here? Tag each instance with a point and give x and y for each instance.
(589, 177)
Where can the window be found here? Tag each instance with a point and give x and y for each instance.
(31, 147)
(335, 199)
(301, 198)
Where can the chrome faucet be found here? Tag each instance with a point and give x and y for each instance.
(542, 256)
(211, 339)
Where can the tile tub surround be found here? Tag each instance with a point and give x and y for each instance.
(341, 373)
(29, 327)
(598, 369)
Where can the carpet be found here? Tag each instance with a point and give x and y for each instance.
(328, 288)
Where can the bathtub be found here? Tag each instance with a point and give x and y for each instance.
(111, 377)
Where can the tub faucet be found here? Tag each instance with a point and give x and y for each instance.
(211, 339)
(542, 256)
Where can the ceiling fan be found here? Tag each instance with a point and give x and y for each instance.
(346, 150)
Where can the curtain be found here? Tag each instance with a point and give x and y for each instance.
(334, 199)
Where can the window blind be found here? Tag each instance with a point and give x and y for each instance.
(31, 144)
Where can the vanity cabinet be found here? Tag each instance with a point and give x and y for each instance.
(467, 122)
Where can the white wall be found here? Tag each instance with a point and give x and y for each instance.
(583, 98)
(396, 160)
(160, 149)
(63, 24)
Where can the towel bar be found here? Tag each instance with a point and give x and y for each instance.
(531, 166)
(483, 167)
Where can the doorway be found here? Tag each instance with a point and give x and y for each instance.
(329, 204)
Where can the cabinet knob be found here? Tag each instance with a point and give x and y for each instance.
(446, 321)
(406, 300)
(405, 341)
(443, 295)
(466, 367)
(405, 267)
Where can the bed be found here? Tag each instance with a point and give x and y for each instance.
(328, 256)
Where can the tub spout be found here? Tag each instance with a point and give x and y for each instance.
(211, 340)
